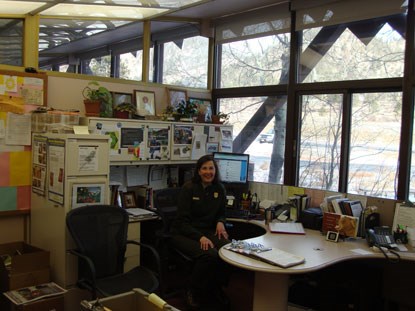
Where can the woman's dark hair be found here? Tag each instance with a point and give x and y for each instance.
(202, 160)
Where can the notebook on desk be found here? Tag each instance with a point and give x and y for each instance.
(287, 227)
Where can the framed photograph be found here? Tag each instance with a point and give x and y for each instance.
(145, 102)
(204, 106)
(175, 97)
(128, 199)
(87, 194)
(120, 98)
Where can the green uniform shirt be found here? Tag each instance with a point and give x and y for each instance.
(199, 209)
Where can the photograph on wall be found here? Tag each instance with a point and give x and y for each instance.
(87, 194)
(204, 107)
(157, 143)
(55, 178)
(145, 102)
(176, 97)
(183, 135)
(212, 147)
(226, 134)
(121, 98)
(133, 139)
(226, 146)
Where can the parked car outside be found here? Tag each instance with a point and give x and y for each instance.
(267, 137)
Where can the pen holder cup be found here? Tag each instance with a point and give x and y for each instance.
(245, 204)
(401, 237)
(269, 215)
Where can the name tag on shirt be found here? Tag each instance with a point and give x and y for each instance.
(196, 199)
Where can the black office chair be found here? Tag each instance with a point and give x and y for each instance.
(100, 235)
(165, 203)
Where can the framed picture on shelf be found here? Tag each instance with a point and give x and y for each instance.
(87, 194)
(128, 199)
(145, 102)
(175, 97)
(204, 106)
(120, 98)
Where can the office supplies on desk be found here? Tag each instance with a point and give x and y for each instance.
(286, 227)
(404, 215)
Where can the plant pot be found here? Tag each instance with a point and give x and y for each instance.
(216, 119)
(92, 107)
(121, 114)
(201, 118)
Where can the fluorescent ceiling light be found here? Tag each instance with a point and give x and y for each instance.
(101, 11)
(19, 7)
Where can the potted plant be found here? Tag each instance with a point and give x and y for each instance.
(96, 96)
(124, 110)
(220, 118)
(186, 110)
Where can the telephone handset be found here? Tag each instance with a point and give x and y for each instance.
(380, 237)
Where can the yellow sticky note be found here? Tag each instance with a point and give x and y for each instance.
(20, 164)
(294, 190)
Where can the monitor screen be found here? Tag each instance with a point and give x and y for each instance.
(233, 167)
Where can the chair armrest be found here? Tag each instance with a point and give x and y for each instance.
(88, 261)
(152, 250)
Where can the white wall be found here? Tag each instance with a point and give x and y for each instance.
(66, 92)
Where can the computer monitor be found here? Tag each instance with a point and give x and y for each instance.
(233, 167)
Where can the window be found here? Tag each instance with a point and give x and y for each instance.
(11, 44)
(371, 49)
(374, 145)
(268, 158)
(131, 65)
(258, 61)
(99, 66)
(185, 62)
(321, 125)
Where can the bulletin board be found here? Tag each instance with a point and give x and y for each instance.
(20, 93)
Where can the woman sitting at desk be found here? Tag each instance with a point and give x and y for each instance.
(199, 231)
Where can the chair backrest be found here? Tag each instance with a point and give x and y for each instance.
(100, 232)
(165, 203)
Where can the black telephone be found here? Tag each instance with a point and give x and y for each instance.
(380, 237)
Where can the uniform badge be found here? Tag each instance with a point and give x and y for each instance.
(215, 195)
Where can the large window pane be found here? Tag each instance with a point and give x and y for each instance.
(255, 62)
(321, 125)
(99, 66)
(267, 156)
(361, 50)
(131, 65)
(11, 43)
(185, 62)
(374, 145)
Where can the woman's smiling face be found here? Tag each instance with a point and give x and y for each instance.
(207, 172)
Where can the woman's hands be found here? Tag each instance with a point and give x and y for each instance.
(221, 231)
(205, 243)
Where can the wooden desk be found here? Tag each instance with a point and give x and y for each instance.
(272, 283)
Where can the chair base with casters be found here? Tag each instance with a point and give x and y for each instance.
(100, 235)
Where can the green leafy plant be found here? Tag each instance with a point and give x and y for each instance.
(187, 109)
(94, 91)
(125, 107)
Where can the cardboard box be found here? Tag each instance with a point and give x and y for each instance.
(29, 266)
(137, 299)
(47, 304)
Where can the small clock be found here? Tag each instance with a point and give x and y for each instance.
(332, 236)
